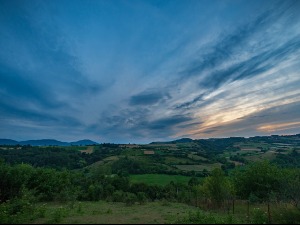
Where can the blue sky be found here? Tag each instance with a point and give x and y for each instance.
(139, 71)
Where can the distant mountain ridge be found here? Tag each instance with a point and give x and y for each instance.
(187, 140)
(182, 140)
(46, 142)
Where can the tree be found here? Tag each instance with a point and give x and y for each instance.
(217, 187)
(141, 197)
(290, 184)
(130, 198)
(193, 181)
(259, 180)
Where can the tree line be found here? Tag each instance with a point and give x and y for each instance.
(256, 182)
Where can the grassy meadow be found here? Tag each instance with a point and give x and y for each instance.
(161, 212)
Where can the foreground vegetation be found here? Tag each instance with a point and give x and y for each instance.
(121, 184)
(158, 212)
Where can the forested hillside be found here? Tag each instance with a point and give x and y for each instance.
(223, 180)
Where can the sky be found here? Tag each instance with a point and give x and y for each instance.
(140, 71)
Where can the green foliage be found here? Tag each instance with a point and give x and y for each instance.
(126, 165)
(159, 179)
(130, 198)
(238, 158)
(118, 196)
(257, 182)
(217, 187)
(260, 179)
(259, 216)
(41, 211)
(57, 157)
(95, 191)
(79, 208)
(20, 209)
(290, 160)
(286, 216)
(141, 197)
(58, 214)
(165, 202)
(13, 179)
(290, 186)
(253, 198)
(201, 217)
(193, 181)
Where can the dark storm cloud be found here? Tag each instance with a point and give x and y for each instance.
(199, 102)
(189, 103)
(147, 98)
(168, 122)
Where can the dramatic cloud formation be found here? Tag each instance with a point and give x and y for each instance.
(141, 71)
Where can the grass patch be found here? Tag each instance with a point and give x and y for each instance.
(116, 213)
(176, 160)
(208, 167)
(269, 155)
(197, 157)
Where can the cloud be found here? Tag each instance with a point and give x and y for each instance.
(226, 46)
(139, 123)
(147, 98)
(278, 119)
(278, 127)
(253, 49)
(210, 131)
(36, 50)
(168, 122)
(119, 74)
(190, 103)
(256, 65)
(190, 125)
(22, 114)
(17, 88)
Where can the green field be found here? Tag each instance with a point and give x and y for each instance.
(270, 155)
(176, 160)
(102, 212)
(159, 179)
(208, 167)
(158, 212)
(197, 157)
(77, 148)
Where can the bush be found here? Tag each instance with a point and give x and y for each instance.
(165, 202)
(130, 199)
(286, 216)
(118, 196)
(58, 215)
(259, 216)
(141, 197)
(201, 217)
(19, 209)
